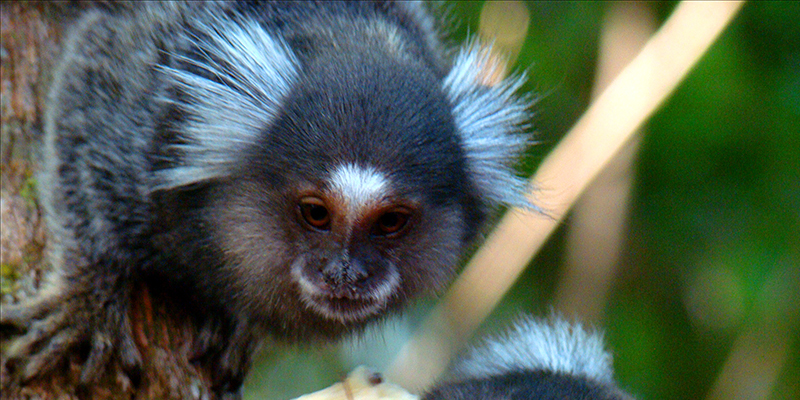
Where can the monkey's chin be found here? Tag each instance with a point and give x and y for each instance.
(345, 310)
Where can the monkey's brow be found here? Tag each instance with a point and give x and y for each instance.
(358, 186)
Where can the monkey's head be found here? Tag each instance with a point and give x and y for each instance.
(345, 182)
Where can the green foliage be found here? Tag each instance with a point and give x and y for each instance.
(8, 278)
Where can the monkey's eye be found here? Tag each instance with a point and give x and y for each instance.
(392, 222)
(314, 213)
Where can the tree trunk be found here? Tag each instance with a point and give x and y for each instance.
(31, 32)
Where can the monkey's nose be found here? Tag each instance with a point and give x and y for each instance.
(344, 277)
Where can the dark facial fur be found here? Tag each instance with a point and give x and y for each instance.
(300, 168)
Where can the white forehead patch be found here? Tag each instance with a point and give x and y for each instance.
(358, 186)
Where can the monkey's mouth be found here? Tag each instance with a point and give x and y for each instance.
(346, 304)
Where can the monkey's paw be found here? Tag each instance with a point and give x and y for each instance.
(57, 325)
(228, 349)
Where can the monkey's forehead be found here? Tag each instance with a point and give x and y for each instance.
(360, 192)
(357, 187)
(367, 131)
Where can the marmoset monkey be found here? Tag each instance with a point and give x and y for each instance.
(535, 359)
(297, 169)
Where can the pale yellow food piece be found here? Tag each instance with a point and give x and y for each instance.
(358, 386)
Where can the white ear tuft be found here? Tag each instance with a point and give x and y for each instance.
(233, 89)
(490, 119)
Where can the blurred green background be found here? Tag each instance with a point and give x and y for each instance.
(705, 292)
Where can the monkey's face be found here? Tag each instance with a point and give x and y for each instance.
(338, 251)
(356, 198)
(363, 246)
